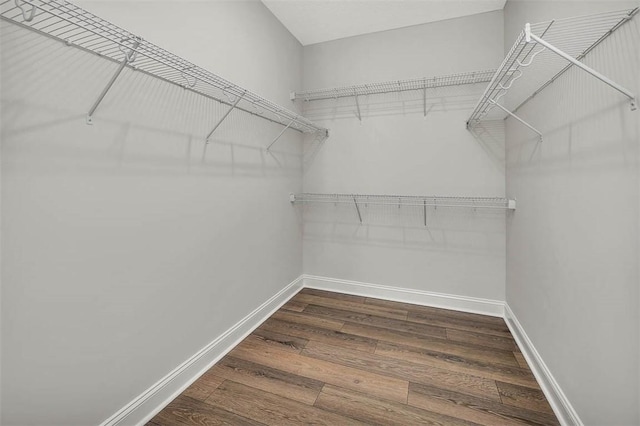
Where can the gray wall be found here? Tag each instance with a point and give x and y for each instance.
(124, 253)
(572, 247)
(396, 150)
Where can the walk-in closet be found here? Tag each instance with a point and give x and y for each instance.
(337, 212)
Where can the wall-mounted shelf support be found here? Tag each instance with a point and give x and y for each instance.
(532, 38)
(424, 210)
(129, 57)
(517, 118)
(355, 201)
(280, 134)
(226, 114)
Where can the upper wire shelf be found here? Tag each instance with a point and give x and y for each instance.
(68, 23)
(394, 86)
(544, 51)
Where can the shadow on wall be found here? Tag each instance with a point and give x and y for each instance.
(566, 142)
(416, 103)
(312, 147)
(144, 125)
(455, 230)
(490, 135)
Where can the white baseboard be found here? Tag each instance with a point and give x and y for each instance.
(419, 297)
(563, 409)
(150, 402)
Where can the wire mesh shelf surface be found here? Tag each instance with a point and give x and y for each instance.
(395, 86)
(529, 67)
(406, 200)
(68, 23)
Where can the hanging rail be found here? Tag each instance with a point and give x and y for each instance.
(424, 201)
(542, 51)
(394, 86)
(74, 26)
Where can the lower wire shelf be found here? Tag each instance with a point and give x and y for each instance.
(424, 201)
(407, 200)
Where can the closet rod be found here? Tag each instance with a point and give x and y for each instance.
(129, 57)
(74, 26)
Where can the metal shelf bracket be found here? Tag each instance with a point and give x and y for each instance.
(532, 38)
(357, 208)
(424, 100)
(129, 57)
(280, 134)
(495, 103)
(226, 114)
(424, 209)
(358, 106)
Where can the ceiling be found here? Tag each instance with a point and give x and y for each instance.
(316, 21)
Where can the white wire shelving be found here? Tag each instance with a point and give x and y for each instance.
(395, 86)
(423, 201)
(542, 53)
(74, 26)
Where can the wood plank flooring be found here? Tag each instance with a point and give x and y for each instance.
(335, 359)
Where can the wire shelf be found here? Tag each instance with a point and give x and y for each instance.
(406, 200)
(68, 23)
(531, 64)
(394, 86)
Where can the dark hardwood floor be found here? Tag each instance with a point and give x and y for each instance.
(336, 359)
